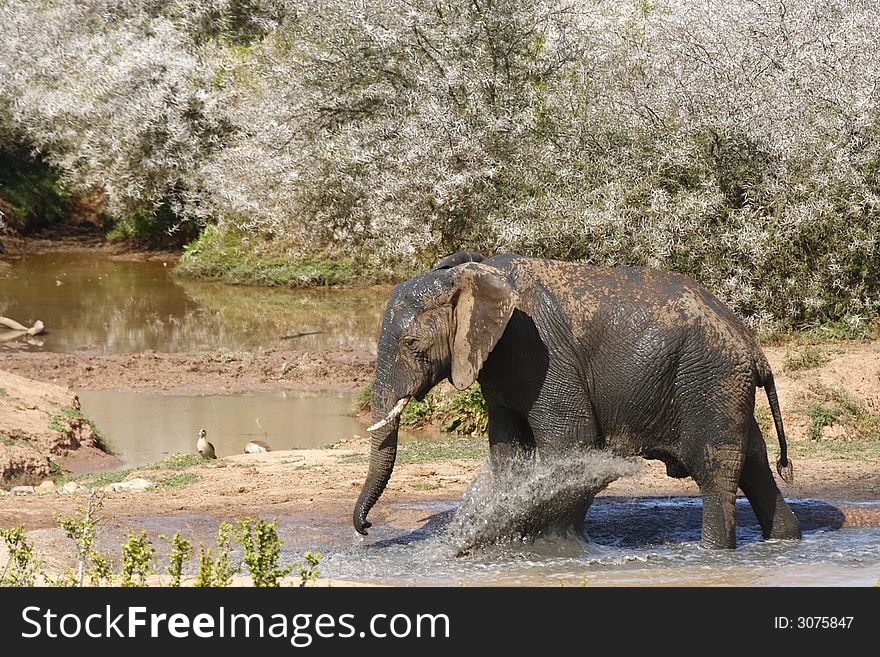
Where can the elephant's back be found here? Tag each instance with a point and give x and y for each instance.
(625, 302)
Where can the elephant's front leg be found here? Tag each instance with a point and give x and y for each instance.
(564, 434)
(510, 438)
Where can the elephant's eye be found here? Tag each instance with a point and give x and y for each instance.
(410, 341)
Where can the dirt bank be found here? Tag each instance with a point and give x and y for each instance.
(43, 432)
(217, 372)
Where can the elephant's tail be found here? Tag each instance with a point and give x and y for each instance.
(783, 464)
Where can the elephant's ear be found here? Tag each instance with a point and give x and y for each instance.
(484, 302)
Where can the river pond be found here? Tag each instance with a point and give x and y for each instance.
(102, 304)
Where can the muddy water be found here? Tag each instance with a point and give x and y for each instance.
(144, 428)
(633, 542)
(97, 303)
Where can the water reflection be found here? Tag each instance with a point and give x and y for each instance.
(95, 303)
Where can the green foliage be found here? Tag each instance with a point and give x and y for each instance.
(215, 568)
(82, 529)
(836, 405)
(261, 550)
(31, 195)
(21, 566)
(466, 413)
(233, 257)
(152, 226)
(821, 416)
(805, 359)
(308, 568)
(462, 413)
(137, 560)
(419, 412)
(181, 549)
(363, 398)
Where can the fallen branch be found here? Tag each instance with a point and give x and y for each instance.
(15, 326)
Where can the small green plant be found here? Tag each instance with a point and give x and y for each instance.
(807, 358)
(837, 405)
(418, 412)
(821, 416)
(467, 413)
(363, 399)
(181, 549)
(137, 560)
(83, 531)
(68, 416)
(308, 568)
(214, 565)
(462, 413)
(261, 550)
(21, 567)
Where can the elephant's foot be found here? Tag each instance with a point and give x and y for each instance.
(784, 525)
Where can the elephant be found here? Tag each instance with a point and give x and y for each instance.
(636, 360)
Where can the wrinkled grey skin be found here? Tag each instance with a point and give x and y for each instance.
(635, 360)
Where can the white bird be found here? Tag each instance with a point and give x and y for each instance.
(205, 448)
(257, 447)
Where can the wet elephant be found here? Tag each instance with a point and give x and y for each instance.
(635, 360)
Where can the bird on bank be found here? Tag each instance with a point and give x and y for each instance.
(205, 448)
(257, 447)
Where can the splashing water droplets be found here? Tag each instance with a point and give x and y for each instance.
(527, 500)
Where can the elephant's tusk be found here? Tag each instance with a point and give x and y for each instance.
(393, 415)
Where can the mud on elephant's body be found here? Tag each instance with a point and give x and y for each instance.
(636, 360)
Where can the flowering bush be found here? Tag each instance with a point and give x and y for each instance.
(736, 141)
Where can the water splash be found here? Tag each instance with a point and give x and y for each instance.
(530, 500)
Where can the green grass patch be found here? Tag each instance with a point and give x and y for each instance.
(846, 329)
(177, 462)
(14, 437)
(838, 450)
(835, 405)
(808, 358)
(427, 451)
(231, 257)
(178, 479)
(170, 462)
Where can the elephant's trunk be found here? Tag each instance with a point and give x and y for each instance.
(383, 451)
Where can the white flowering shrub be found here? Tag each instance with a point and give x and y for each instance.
(736, 141)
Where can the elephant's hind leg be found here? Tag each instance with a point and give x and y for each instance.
(718, 481)
(775, 517)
